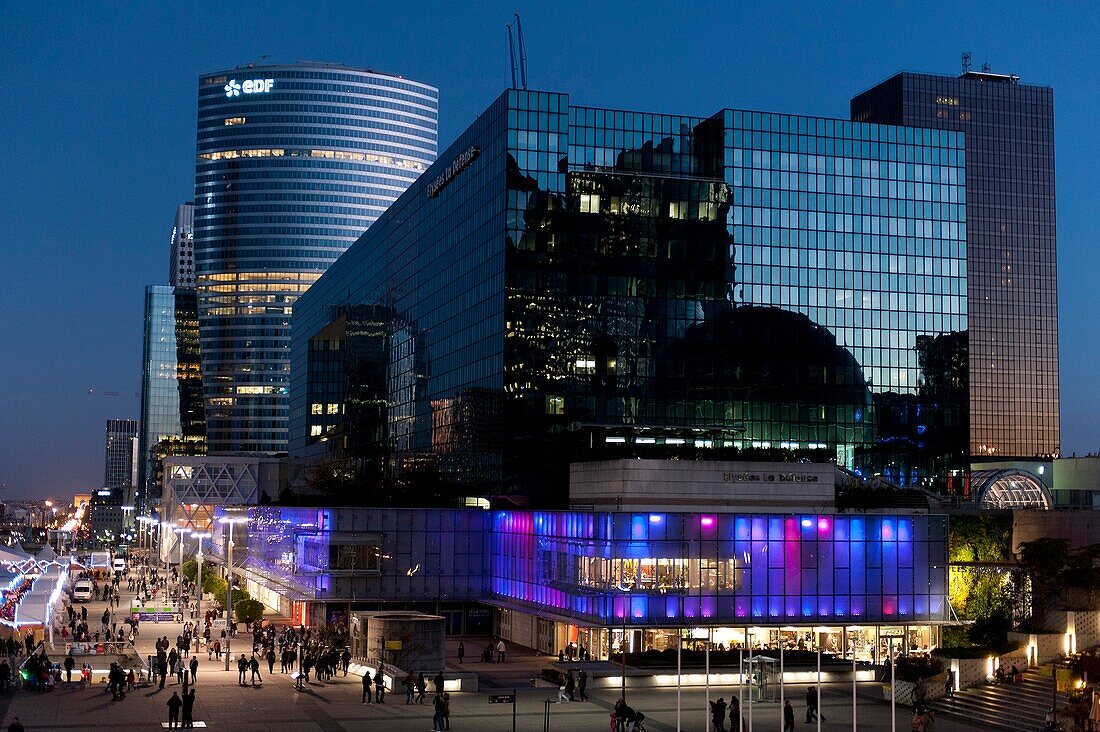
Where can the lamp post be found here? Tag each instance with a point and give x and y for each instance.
(141, 531)
(198, 574)
(179, 586)
(231, 521)
(890, 638)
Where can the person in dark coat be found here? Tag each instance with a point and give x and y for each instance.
(718, 715)
(812, 711)
(188, 718)
(788, 716)
(379, 687)
(367, 698)
(174, 705)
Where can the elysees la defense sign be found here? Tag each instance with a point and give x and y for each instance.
(733, 477)
(457, 165)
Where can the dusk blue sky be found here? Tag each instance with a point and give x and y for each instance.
(97, 114)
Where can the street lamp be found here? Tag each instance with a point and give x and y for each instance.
(231, 521)
(179, 584)
(200, 535)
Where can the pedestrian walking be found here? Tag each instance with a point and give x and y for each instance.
(437, 682)
(570, 686)
(421, 687)
(812, 711)
(194, 669)
(254, 667)
(410, 686)
(500, 651)
(345, 660)
(437, 714)
(788, 716)
(582, 684)
(461, 651)
(174, 705)
(242, 669)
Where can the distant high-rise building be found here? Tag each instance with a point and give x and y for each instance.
(294, 163)
(1010, 259)
(172, 421)
(182, 264)
(119, 462)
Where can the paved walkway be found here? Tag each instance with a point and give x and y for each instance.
(276, 706)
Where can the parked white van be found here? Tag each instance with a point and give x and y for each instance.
(82, 590)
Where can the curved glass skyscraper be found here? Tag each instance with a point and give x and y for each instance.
(294, 162)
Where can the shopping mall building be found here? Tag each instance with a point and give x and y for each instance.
(547, 579)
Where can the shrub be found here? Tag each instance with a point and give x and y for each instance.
(247, 610)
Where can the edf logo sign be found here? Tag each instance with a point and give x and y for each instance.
(249, 86)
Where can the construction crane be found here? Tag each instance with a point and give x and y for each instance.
(519, 72)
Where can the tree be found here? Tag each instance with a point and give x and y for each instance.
(247, 610)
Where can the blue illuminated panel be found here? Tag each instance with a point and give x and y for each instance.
(656, 569)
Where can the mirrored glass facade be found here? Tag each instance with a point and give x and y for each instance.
(172, 413)
(293, 163)
(1011, 246)
(572, 283)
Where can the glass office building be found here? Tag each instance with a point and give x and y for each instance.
(587, 577)
(572, 283)
(293, 163)
(172, 414)
(1011, 246)
(119, 462)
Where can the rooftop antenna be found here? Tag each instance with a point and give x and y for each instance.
(966, 62)
(522, 54)
(511, 54)
(519, 70)
(986, 68)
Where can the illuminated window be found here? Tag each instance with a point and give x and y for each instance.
(555, 405)
(230, 121)
(585, 365)
(314, 430)
(252, 153)
(315, 408)
(590, 203)
(333, 409)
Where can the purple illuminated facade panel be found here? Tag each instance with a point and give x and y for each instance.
(659, 569)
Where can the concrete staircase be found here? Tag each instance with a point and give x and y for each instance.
(1018, 707)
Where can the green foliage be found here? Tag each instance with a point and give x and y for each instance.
(212, 583)
(955, 636)
(980, 537)
(247, 610)
(189, 569)
(216, 586)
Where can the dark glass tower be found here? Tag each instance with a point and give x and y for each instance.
(294, 163)
(1011, 245)
(172, 412)
(570, 283)
(118, 461)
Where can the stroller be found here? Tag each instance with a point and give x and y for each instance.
(639, 723)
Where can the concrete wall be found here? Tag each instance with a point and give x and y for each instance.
(1077, 482)
(677, 485)
(1079, 527)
